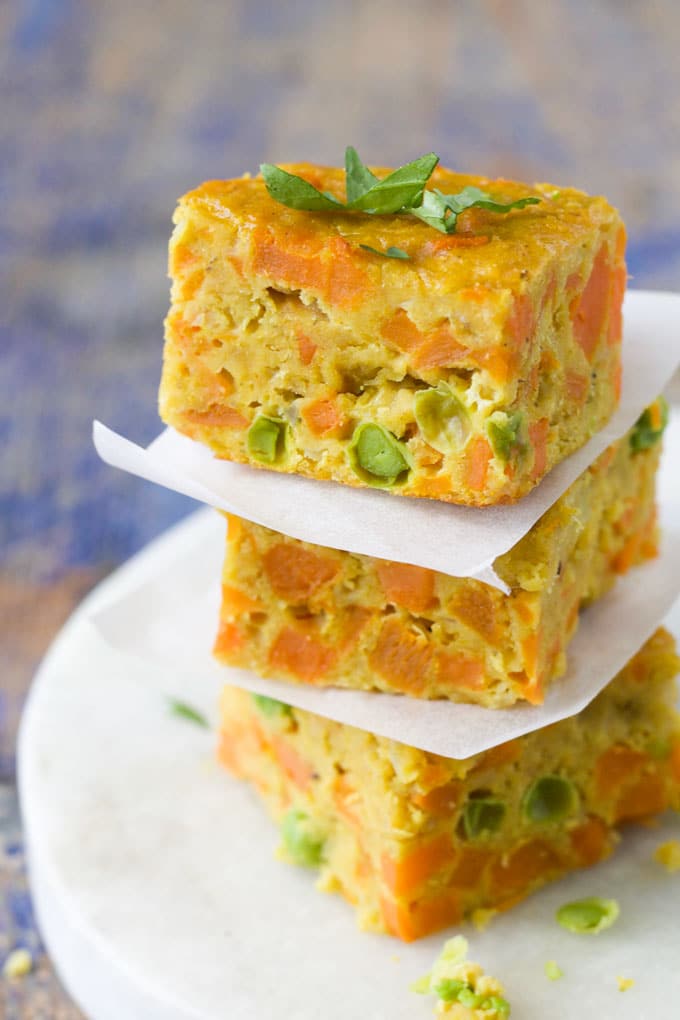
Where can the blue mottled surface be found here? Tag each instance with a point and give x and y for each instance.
(112, 110)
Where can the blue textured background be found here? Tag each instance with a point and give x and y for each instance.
(111, 110)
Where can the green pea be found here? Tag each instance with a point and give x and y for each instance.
(377, 454)
(589, 916)
(498, 1003)
(449, 989)
(549, 799)
(466, 997)
(507, 433)
(553, 971)
(482, 816)
(650, 426)
(270, 706)
(302, 840)
(266, 439)
(442, 418)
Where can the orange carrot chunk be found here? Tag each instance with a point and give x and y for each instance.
(407, 874)
(538, 435)
(590, 841)
(642, 799)
(514, 874)
(219, 417)
(406, 585)
(470, 866)
(439, 350)
(306, 349)
(347, 282)
(615, 327)
(236, 601)
(477, 456)
(296, 266)
(410, 921)
(589, 309)
(402, 657)
(296, 768)
(296, 573)
(576, 386)
(460, 671)
(475, 606)
(323, 417)
(440, 801)
(617, 766)
(300, 654)
(229, 639)
(521, 321)
(401, 331)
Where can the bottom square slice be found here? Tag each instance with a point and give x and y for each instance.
(418, 842)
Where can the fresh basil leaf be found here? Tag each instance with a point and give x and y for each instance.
(358, 178)
(464, 199)
(441, 211)
(402, 189)
(390, 253)
(432, 210)
(471, 197)
(184, 711)
(295, 192)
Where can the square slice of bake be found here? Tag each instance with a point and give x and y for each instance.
(296, 611)
(463, 372)
(417, 842)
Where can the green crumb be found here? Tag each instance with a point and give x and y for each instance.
(552, 970)
(184, 711)
(589, 916)
(455, 980)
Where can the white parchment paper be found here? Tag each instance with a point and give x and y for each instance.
(165, 613)
(460, 541)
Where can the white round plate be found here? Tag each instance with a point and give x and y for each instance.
(159, 897)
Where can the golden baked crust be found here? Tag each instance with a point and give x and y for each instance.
(462, 374)
(418, 842)
(302, 612)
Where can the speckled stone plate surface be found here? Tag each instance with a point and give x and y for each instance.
(160, 899)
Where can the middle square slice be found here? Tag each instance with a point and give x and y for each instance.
(296, 611)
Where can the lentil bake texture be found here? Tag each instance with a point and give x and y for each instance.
(300, 612)
(417, 842)
(463, 372)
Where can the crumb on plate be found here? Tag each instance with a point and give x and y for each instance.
(668, 855)
(463, 990)
(18, 964)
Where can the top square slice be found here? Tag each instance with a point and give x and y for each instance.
(462, 373)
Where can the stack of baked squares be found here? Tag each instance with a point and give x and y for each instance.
(461, 367)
